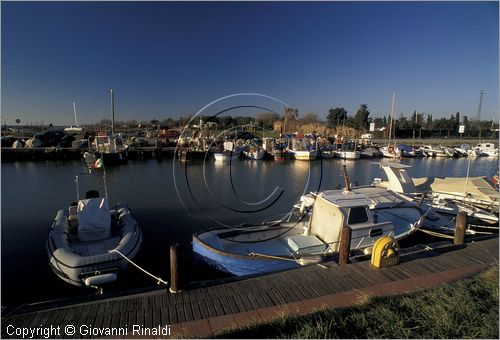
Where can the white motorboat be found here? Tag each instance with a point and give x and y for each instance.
(229, 153)
(406, 151)
(430, 151)
(390, 151)
(348, 151)
(477, 191)
(480, 202)
(370, 152)
(488, 149)
(226, 156)
(304, 149)
(108, 145)
(111, 148)
(475, 153)
(304, 155)
(449, 152)
(89, 242)
(254, 152)
(461, 151)
(280, 246)
(74, 128)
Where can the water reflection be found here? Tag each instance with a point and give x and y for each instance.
(32, 192)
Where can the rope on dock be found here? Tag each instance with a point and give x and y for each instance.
(483, 232)
(302, 261)
(494, 227)
(434, 233)
(159, 280)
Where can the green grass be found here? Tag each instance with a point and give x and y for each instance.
(466, 309)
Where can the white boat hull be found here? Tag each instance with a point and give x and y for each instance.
(226, 157)
(255, 155)
(348, 154)
(276, 246)
(305, 155)
(327, 154)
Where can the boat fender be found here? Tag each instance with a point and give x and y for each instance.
(385, 252)
(98, 280)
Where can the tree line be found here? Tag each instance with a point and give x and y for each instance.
(406, 126)
(414, 124)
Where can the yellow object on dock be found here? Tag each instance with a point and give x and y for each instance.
(385, 252)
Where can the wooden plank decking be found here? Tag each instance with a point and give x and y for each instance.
(222, 302)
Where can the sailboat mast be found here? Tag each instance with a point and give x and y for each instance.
(112, 113)
(392, 114)
(74, 110)
(479, 113)
(393, 109)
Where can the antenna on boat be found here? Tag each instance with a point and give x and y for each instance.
(467, 178)
(74, 110)
(77, 189)
(104, 180)
(347, 180)
(112, 113)
(392, 117)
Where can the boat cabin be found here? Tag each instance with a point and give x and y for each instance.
(109, 143)
(334, 209)
(486, 147)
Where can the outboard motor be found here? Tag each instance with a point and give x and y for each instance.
(92, 194)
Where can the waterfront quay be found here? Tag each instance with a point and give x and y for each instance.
(158, 151)
(56, 153)
(203, 310)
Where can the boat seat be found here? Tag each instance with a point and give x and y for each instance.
(96, 247)
(73, 219)
(306, 244)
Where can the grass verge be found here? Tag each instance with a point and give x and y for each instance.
(465, 309)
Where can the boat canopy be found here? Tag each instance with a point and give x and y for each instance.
(94, 219)
(477, 187)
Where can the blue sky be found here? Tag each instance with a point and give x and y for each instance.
(169, 59)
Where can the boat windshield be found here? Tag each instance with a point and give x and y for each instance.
(357, 215)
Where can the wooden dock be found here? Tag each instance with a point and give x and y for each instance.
(206, 311)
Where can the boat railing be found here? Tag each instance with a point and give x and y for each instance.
(279, 218)
(328, 246)
(370, 236)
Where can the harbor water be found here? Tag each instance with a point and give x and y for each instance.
(170, 201)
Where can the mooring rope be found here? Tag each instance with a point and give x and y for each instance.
(433, 233)
(272, 257)
(159, 280)
(301, 261)
(484, 232)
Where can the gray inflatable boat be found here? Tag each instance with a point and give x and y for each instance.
(89, 243)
